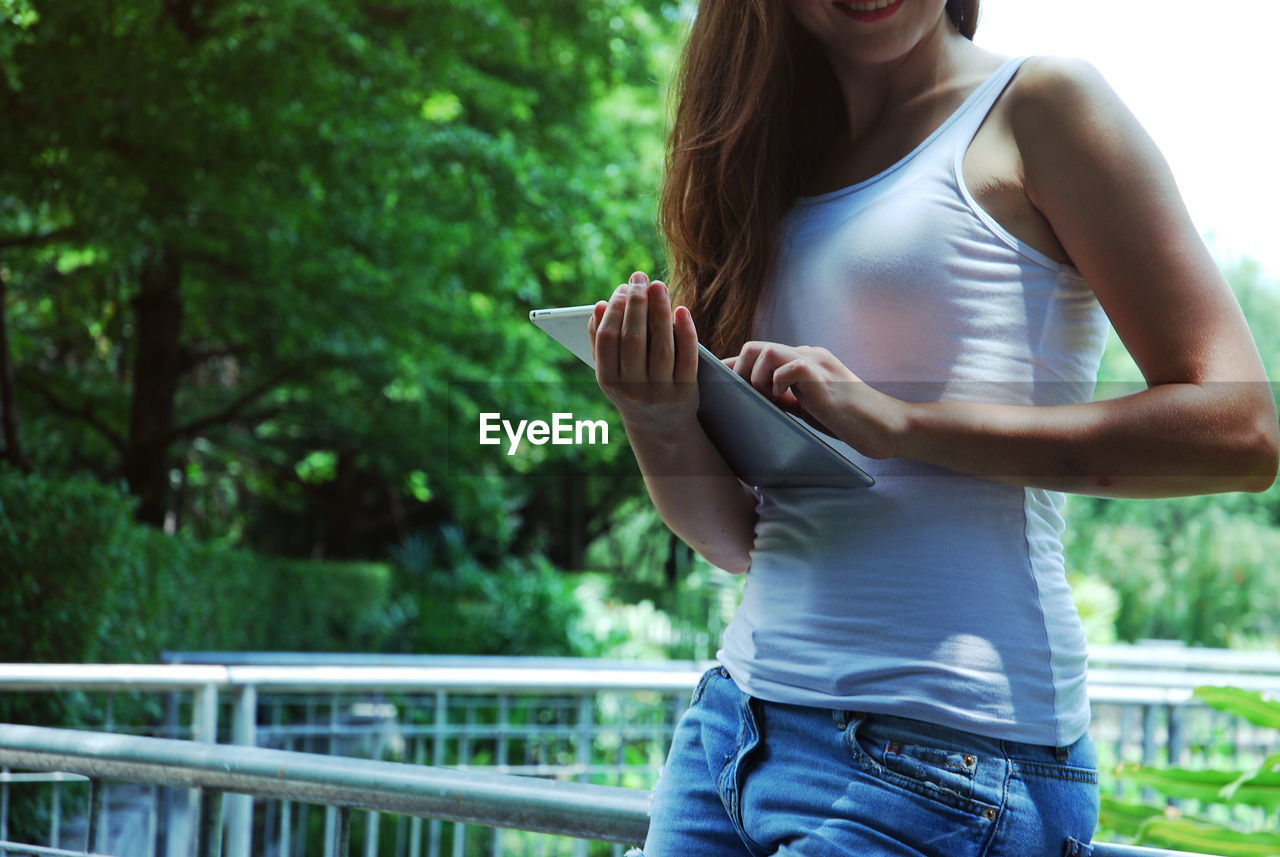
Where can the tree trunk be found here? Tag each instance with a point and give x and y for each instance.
(157, 366)
(8, 398)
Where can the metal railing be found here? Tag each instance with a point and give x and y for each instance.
(437, 713)
(601, 813)
(605, 723)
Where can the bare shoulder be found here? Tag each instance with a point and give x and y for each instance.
(1071, 128)
(1057, 94)
(1056, 74)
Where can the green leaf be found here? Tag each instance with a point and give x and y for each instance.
(1125, 818)
(1257, 777)
(441, 107)
(318, 466)
(418, 486)
(1249, 704)
(1208, 838)
(1258, 788)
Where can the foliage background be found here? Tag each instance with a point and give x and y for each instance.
(263, 265)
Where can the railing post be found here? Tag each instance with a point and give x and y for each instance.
(500, 739)
(335, 823)
(438, 760)
(1176, 737)
(415, 823)
(286, 829)
(153, 821)
(244, 732)
(371, 834)
(464, 758)
(586, 741)
(95, 836)
(1150, 728)
(342, 845)
(55, 822)
(204, 717)
(204, 728)
(4, 810)
(105, 801)
(169, 797)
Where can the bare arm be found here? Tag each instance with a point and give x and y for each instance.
(1206, 422)
(647, 363)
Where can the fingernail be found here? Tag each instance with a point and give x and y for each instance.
(639, 278)
(622, 287)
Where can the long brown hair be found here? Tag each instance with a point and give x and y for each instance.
(756, 109)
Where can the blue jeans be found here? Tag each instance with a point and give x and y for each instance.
(748, 777)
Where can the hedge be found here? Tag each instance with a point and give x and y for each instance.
(81, 582)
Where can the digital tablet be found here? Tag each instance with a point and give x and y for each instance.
(763, 444)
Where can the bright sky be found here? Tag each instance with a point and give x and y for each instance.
(1202, 77)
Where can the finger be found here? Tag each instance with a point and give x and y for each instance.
(662, 346)
(593, 321)
(608, 332)
(747, 356)
(633, 344)
(761, 376)
(789, 375)
(686, 341)
(770, 357)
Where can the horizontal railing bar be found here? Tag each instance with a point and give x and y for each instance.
(455, 729)
(1102, 849)
(1165, 685)
(1188, 679)
(604, 813)
(470, 679)
(1184, 657)
(1130, 656)
(55, 777)
(601, 813)
(120, 677)
(1131, 695)
(365, 659)
(43, 850)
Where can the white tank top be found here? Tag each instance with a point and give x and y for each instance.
(930, 595)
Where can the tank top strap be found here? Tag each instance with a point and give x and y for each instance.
(969, 117)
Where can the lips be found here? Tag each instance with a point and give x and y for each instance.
(868, 11)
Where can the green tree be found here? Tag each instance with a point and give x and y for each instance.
(248, 248)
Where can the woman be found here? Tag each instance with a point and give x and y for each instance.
(916, 245)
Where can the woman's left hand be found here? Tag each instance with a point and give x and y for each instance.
(813, 384)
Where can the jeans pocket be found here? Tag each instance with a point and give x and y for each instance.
(947, 769)
(943, 773)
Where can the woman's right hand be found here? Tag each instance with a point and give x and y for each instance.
(646, 356)
(647, 364)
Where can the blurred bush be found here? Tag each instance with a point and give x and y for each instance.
(81, 582)
(457, 595)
